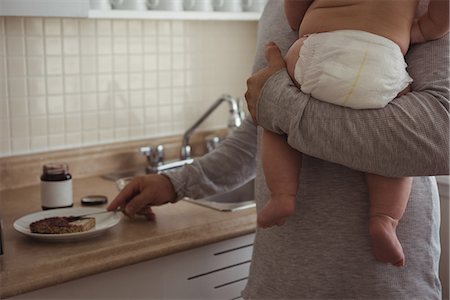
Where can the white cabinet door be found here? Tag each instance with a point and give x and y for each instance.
(215, 271)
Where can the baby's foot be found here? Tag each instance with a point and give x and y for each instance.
(385, 244)
(276, 211)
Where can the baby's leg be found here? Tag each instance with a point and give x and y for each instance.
(292, 56)
(281, 165)
(388, 199)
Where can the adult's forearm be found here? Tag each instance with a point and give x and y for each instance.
(409, 137)
(227, 167)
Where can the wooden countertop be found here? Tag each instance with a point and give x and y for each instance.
(29, 264)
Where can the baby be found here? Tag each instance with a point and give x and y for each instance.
(350, 53)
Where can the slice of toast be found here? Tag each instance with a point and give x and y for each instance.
(60, 225)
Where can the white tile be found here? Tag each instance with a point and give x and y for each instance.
(14, 26)
(106, 120)
(178, 78)
(105, 83)
(150, 44)
(90, 121)
(151, 115)
(87, 27)
(164, 62)
(151, 130)
(90, 137)
(120, 63)
(135, 27)
(164, 28)
(20, 145)
(55, 104)
(88, 83)
(135, 45)
(120, 45)
(73, 122)
(53, 46)
(19, 128)
(35, 66)
(18, 107)
(16, 66)
(150, 80)
(52, 26)
(164, 44)
(104, 45)
(179, 95)
(150, 62)
(54, 85)
(56, 124)
(34, 26)
(121, 118)
(178, 61)
(88, 65)
(165, 113)
(121, 82)
(105, 101)
(15, 46)
(136, 117)
(39, 143)
(74, 139)
(149, 27)
(104, 27)
(17, 87)
(56, 141)
(164, 79)
(165, 96)
(37, 105)
(121, 134)
(178, 28)
(72, 103)
(5, 129)
(136, 81)
(38, 126)
(88, 46)
(137, 132)
(105, 63)
(178, 44)
(71, 65)
(72, 84)
(137, 99)
(70, 26)
(136, 63)
(71, 46)
(150, 97)
(35, 46)
(89, 102)
(106, 136)
(36, 86)
(119, 27)
(120, 101)
(54, 65)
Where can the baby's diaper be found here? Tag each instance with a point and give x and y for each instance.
(351, 68)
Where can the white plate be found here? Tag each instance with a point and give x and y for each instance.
(102, 223)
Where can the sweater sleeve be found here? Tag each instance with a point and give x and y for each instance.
(229, 166)
(408, 137)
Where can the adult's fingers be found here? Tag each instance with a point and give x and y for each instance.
(273, 56)
(127, 193)
(138, 203)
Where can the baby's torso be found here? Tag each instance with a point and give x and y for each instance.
(389, 18)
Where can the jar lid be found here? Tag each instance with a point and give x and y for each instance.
(55, 168)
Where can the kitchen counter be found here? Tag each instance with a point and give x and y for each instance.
(30, 264)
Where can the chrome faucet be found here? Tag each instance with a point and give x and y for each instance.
(155, 155)
(234, 121)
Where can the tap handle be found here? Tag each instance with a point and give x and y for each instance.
(159, 155)
(155, 155)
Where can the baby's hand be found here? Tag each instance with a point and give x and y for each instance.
(416, 33)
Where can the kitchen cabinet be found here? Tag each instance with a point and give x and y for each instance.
(215, 271)
(81, 9)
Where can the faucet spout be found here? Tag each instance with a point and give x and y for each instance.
(234, 121)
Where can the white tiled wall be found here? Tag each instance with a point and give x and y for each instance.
(66, 83)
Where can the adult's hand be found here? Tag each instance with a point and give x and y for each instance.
(256, 82)
(143, 192)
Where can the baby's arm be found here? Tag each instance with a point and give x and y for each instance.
(433, 25)
(295, 10)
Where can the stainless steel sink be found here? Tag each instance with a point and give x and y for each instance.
(240, 198)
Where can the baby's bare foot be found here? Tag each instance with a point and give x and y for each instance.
(385, 244)
(276, 211)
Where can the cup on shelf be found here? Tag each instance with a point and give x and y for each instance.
(100, 4)
(129, 4)
(253, 5)
(198, 5)
(227, 5)
(173, 5)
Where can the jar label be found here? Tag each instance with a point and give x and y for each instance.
(56, 193)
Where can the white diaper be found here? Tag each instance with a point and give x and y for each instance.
(351, 68)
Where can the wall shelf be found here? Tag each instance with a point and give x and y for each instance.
(81, 9)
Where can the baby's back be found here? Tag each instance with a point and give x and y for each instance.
(389, 18)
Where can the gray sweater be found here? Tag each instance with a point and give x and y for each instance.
(323, 251)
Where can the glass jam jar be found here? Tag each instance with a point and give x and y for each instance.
(56, 186)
